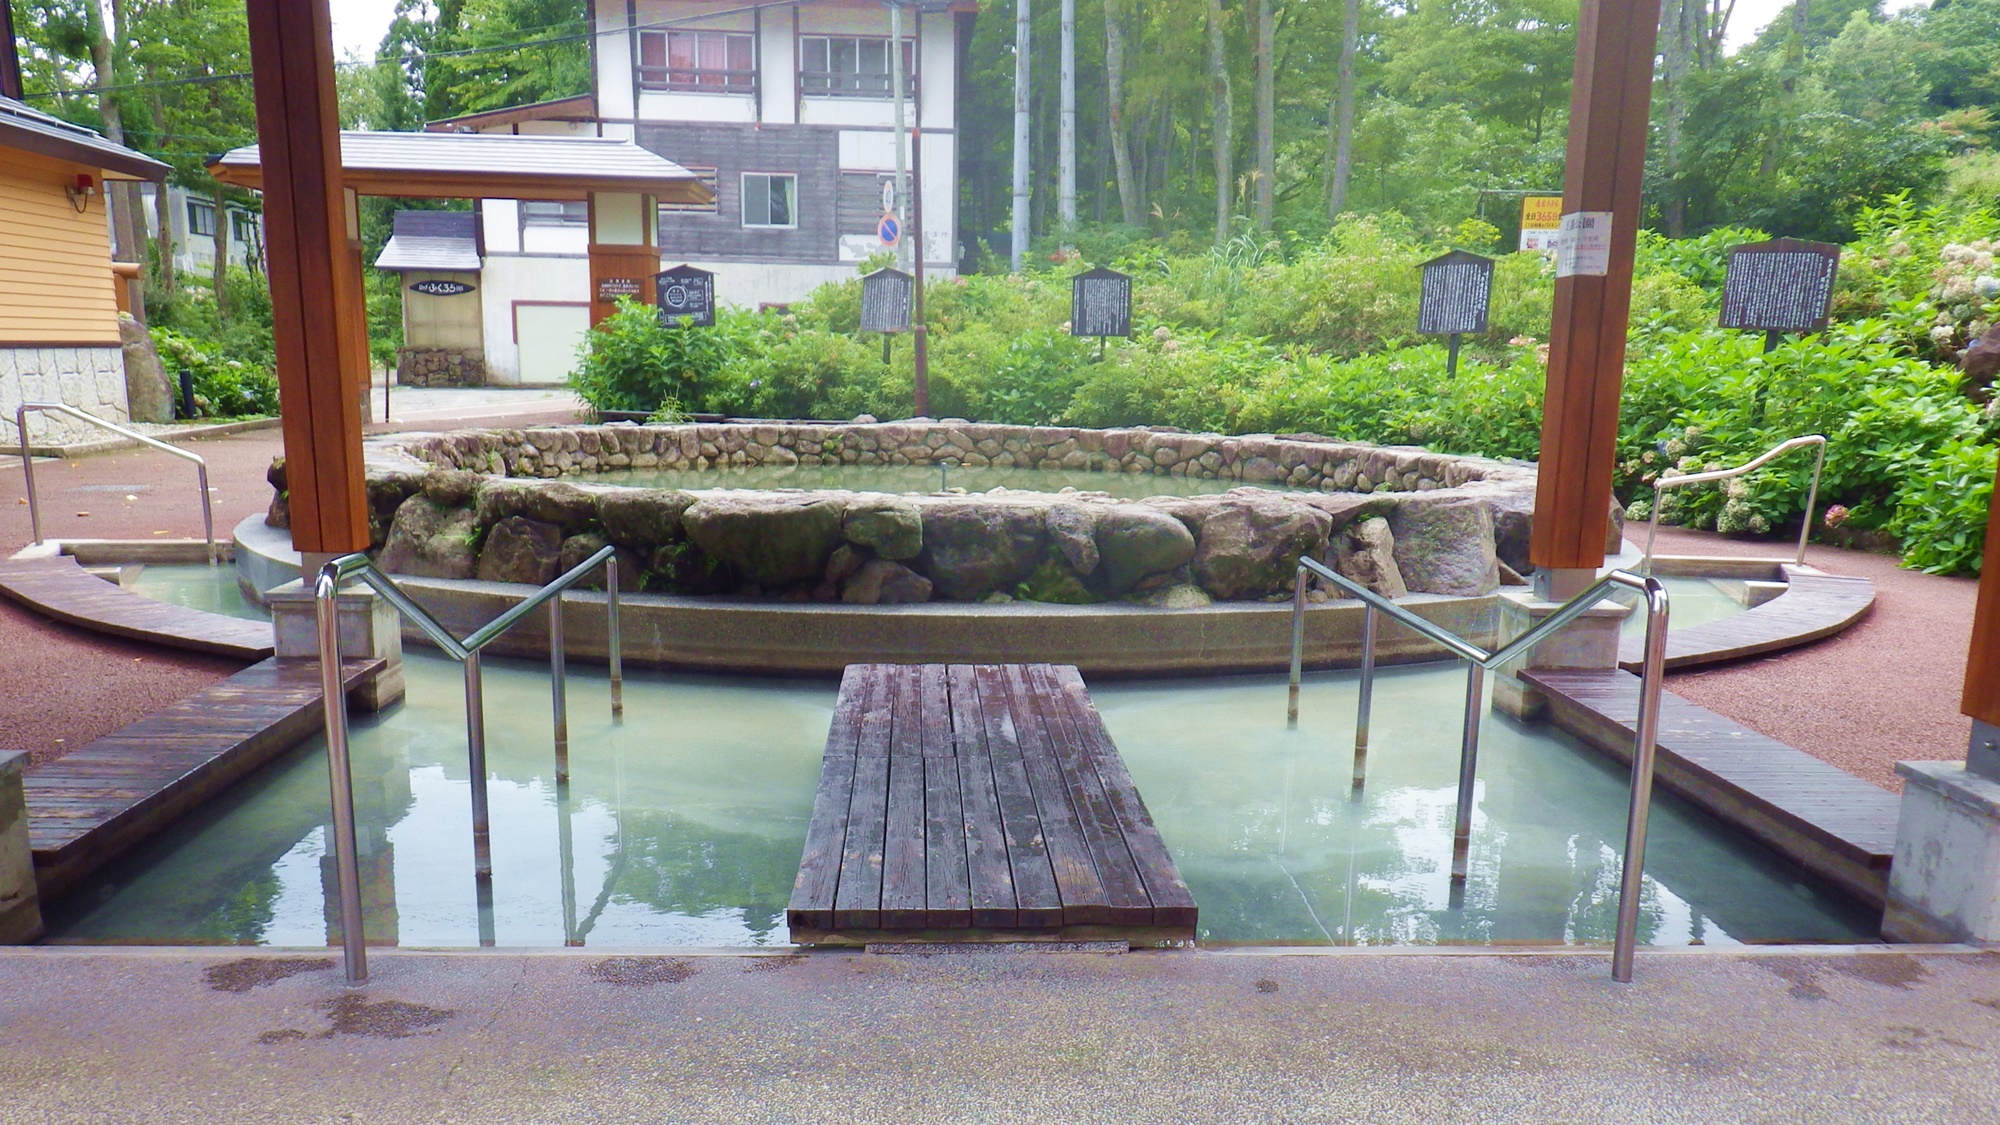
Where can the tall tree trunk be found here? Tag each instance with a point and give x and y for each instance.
(1795, 55)
(220, 278)
(1267, 113)
(107, 56)
(163, 210)
(1066, 120)
(1220, 137)
(1020, 221)
(1114, 80)
(1678, 45)
(1343, 118)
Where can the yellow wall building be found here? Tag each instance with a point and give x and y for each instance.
(59, 335)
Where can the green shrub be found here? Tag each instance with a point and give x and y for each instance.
(223, 388)
(1941, 516)
(631, 361)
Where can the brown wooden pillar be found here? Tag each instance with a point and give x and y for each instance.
(1601, 187)
(1981, 699)
(624, 250)
(306, 238)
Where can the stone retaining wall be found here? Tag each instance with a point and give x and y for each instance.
(1398, 520)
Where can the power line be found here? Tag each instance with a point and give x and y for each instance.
(523, 44)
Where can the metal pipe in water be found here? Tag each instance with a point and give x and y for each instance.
(475, 753)
(559, 686)
(1298, 646)
(340, 776)
(617, 647)
(1645, 745)
(1367, 702)
(1468, 769)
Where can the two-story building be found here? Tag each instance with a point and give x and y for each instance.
(786, 109)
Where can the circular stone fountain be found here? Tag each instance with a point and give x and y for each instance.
(813, 579)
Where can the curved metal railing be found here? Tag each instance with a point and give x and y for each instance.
(326, 590)
(28, 464)
(1478, 661)
(1664, 482)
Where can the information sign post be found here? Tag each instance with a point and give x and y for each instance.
(1100, 305)
(1457, 291)
(886, 299)
(1784, 285)
(685, 296)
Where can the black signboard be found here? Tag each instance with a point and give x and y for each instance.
(440, 288)
(1457, 289)
(886, 295)
(1784, 285)
(1100, 304)
(686, 295)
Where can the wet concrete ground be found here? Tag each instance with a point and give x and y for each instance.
(1776, 1036)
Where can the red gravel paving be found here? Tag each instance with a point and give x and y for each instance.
(1884, 691)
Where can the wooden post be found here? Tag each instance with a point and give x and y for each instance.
(306, 232)
(624, 251)
(1607, 160)
(10, 58)
(1981, 699)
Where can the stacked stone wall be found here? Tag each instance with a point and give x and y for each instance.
(90, 379)
(440, 367)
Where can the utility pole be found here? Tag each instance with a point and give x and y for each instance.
(919, 336)
(1066, 142)
(902, 133)
(1021, 218)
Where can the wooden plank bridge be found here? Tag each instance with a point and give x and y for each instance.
(979, 803)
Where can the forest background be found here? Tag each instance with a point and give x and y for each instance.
(1272, 170)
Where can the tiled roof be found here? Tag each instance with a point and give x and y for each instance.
(28, 129)
(432, 240)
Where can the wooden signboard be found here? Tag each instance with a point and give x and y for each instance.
(1784, 285)
(1100, 304)
(685, 295)
(1458, 287)
(886, 297)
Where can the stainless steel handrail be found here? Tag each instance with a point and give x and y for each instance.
(326, 591)
(28, 464)
(1478, 661)
(1665, 481)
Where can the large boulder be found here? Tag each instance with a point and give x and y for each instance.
(428, 540)
(577, 548)
(1446, 547)
(768, 540)
(1136, 542)
(149, 396)
(892, 527)
(1366, 552)
(565, 505)
(881, 582)
(386, 493)
(519, 549)
(1250, 546)
(452, 488)
(643, 518)
(1073, 530)
(976, 546)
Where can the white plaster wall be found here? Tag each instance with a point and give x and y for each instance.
(780, 72)
(552, 239)
(511, 278)
(90, 379)
(614, 62)
(502, 225)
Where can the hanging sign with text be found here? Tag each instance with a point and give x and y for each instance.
(1583, 245)
(440, 288)
(1541, 220)
(1457, 289)
(685, 295)
(886, 296)
(1100, 304)
(609, 289)
(1784, 285)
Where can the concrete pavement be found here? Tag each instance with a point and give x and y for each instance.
(1786, 1035)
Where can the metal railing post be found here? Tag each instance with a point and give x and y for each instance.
(340, 775)
(1664, 482)
(559, 687)
(475, 743)
(1468, 769)
(615, 645)
(1298, 646)
(1645, 745)
(28, 466)
(1365, 705)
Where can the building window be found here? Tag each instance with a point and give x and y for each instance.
(770, 200)
(707, 176)
(242, 226)
(712, 62)
(850, 66)
(201, 218)
(555, 213)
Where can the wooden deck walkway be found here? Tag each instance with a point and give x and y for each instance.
(979, 803)
(1814, 605)
(100, 799)
(60, 588)
(1834, 824)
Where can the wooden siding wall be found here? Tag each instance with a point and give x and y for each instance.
(813, 154)
(55, 264)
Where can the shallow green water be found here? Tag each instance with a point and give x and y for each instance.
(919, 478)
(684, 825)
(213, 589)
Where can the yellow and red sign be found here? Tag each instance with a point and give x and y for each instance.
(1541, 218)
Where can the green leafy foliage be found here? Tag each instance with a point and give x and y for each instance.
(223, 388)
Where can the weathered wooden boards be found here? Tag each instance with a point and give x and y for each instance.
(61, 589)
(1821, 817)
(979, 802)
(94, 802)
(1813, 606)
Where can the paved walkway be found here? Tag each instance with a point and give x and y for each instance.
(1704, 1037)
